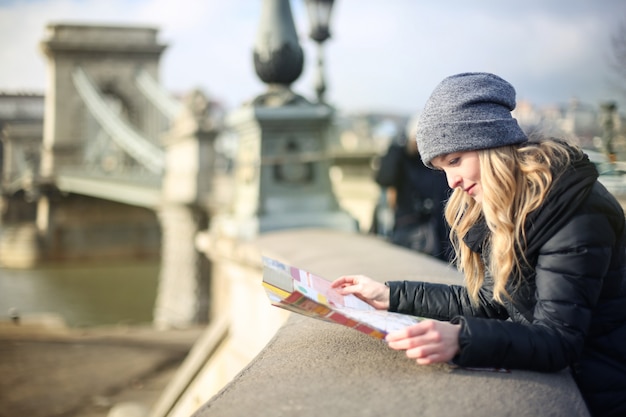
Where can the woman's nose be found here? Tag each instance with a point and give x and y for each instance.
(453, 180)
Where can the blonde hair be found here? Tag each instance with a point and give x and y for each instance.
(515, 181)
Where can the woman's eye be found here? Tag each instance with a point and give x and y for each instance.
(453, 161)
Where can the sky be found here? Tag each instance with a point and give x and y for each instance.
(384, 55)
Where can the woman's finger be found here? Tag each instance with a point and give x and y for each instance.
(423, 351)
(345, 280)
(409, 331)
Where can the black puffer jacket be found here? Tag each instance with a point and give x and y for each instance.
(571, 308)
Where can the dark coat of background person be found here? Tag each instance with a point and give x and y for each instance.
(420, 196)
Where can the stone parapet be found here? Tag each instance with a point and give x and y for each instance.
(312, 368)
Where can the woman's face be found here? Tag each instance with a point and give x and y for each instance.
(462, 171)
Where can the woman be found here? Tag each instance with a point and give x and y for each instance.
(541, 244)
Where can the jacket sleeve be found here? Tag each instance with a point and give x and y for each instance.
(568, 276)
(441, 302)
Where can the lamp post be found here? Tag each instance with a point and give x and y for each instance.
(319, 18)
(281, 163)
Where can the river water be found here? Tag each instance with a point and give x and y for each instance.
(84, 296)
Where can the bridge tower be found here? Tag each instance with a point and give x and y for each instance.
(112, 58)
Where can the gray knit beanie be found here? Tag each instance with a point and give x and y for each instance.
(467, 112)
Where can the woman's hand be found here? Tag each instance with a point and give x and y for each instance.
(372, 292)
(428, 341)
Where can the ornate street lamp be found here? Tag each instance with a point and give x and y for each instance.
(319, 19)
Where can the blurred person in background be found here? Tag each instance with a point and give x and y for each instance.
(416, 195)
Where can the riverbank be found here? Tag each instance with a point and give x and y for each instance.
(50, 370)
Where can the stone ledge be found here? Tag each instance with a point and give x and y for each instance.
(313, 368)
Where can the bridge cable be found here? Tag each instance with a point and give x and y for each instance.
(152, 90)
(123, 134)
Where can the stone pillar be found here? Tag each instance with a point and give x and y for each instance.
(282, 170)
(183, 291)
(609, 122)
(184, 281)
